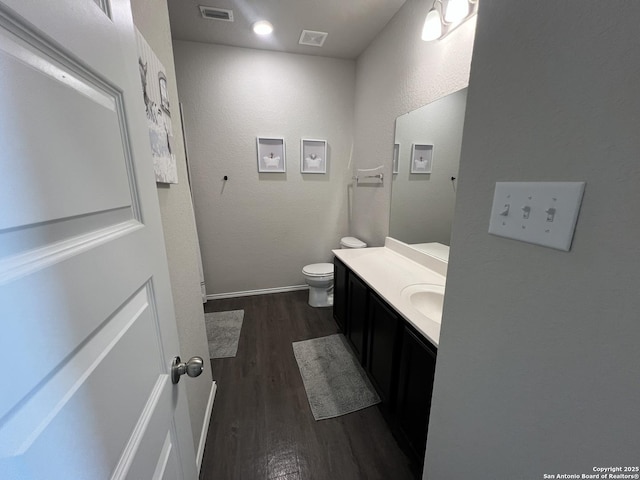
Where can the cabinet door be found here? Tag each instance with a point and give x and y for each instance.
(415, 385)
(340, 273)
(357, 313)
(383, 347)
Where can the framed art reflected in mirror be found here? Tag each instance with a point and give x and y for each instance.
(313, 156)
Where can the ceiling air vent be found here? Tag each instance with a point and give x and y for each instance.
(314, 39)
(213, 13)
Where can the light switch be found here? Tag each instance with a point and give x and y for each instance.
(545, 213)
(551, 213)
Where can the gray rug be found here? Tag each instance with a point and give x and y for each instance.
(223, 332)
(335, 382)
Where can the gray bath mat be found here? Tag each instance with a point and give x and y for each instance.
(223, 332)
(333, 378)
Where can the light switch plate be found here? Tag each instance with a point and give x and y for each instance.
(543, 213)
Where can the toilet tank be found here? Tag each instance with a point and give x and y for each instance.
(351, 242)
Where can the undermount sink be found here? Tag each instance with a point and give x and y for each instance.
(426, 299)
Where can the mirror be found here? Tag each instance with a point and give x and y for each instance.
(426, 158)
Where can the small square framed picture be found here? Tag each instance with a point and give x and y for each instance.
(271, 156)
(313, 156)
(396, 157)
(421, 158)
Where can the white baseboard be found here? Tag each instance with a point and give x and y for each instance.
(205, 425)
(264, 291)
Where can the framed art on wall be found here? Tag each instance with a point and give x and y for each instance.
(271, 156)
(156, 103)
(421, 158)
(313, 156)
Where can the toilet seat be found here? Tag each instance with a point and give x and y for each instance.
(318, 270)
(352, 242)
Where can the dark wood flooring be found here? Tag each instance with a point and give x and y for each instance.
(262, 426)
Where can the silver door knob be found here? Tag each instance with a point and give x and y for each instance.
(193, 368)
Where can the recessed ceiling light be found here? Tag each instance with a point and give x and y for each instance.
(262, 27)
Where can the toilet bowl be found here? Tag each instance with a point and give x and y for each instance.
(319, 276)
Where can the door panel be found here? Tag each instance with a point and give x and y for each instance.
(85, 383)
(104, 6)
(53, 324)
(157, 451)
(88, 318)
(76, 119)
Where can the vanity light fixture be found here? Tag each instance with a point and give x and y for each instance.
(262, 27)
(445, 16)
(456, 11)
(432, 29)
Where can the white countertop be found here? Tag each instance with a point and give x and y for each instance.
(434, 249)
(389, 269)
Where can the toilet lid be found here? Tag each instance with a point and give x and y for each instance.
(318, 269)
(352, 242)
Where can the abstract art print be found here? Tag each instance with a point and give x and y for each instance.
(156, 101)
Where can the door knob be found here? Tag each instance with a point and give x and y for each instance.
(193, 368)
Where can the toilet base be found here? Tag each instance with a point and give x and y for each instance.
(320, 297)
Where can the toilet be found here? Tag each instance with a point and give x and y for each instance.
(319, 276)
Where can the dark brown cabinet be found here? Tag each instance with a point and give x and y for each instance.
(384, 334)
(340, 294)
(399, 361)
(415, 386)
(357, 315)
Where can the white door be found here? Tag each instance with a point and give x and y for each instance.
(88, 330)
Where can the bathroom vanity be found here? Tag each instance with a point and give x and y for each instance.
(388, 303)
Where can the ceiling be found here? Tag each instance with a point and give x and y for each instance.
(351, 24)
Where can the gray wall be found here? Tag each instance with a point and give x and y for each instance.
(538, 369)
(422, 204)
(396, 74)
(257, 231)
(152, 19)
